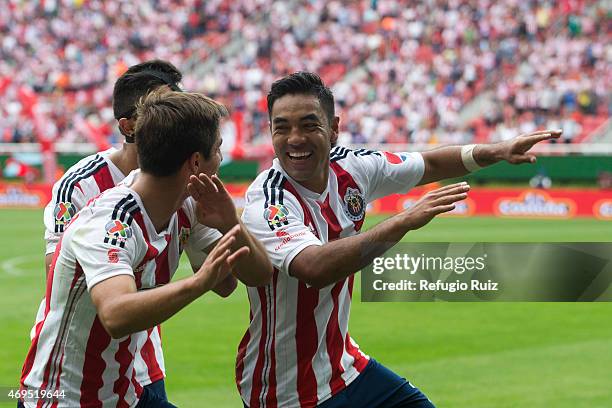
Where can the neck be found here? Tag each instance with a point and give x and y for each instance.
(126, 158)
(161, 197)
(319, 184)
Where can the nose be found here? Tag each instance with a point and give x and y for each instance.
(296, 138)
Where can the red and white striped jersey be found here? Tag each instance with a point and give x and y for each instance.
(85, 180)
(297, 351)
(81, 182)
(112, 235)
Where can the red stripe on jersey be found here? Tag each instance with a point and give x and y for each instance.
(94, 364)
(335, 344)
(258, 372)
(53, 366)
(31, 356)
(242, 348)
(360, 360)
(162, 269)
(152, 252)
(306, 340)
(333, 225)
(183, 220)
(345, 180)
(104, 179)
(147, 353)
(150, 359)
(124, 357)
(271, 401)
(306, 336)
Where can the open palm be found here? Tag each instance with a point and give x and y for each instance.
(214, 205)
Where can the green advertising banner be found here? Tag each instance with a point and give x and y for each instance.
(475, 272)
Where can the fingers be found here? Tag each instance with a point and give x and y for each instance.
(525, 158)
(233, 258)
(449, 199)
(450, 189)
(540, 136)
(209, 186)
(443, 209)
(226, 241)
(219, 184)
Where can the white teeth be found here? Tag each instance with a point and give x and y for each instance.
(299, 155)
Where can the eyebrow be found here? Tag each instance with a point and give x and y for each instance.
(280, 120)
(311, 116)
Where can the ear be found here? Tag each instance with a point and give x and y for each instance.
(335, 128)
(194, 163)
(126, 126)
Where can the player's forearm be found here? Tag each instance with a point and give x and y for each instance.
(254, 269)
(446, 162)
(330, 263)
(132, 312)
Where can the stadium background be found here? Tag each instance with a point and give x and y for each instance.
(407, 75)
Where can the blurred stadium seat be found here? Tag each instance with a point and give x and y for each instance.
(403, 72)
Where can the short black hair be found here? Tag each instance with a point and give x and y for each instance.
(171, 126)
(307, 83)
(139, 80)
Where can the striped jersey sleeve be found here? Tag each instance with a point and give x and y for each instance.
(381, 173)
(83, 181)
(105, 242)
(274, 216)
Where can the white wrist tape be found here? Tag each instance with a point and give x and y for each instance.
(467, 157)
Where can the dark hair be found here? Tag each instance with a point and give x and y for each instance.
(171, 126)
(307, 83)
(139, 80)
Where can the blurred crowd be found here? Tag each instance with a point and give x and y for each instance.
(401, 71)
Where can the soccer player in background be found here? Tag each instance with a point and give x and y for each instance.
(101, 171)
(308, 210)
(110, 275)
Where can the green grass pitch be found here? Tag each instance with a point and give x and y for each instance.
(476, 355)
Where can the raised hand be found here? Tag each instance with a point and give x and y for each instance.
(219, 262)
(214, 205)
(515, 151)
(433, 203)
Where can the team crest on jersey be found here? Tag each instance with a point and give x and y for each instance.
(354, 204)
(276, 215)
(63, 214)
(183, 237)
(117, 233)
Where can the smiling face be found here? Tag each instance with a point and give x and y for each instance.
(302, 137)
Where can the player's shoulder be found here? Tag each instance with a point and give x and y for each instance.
(345, 154)
(82, 172)
(269, 182)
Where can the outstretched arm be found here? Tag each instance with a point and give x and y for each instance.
(446, 162)
(338, 259)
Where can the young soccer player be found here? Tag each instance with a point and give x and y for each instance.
(101, 171)
(308, 211)
(110, 276)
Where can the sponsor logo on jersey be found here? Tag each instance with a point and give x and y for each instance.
(535, 204)
(394, 158)
(354, 204)
(285, 237)
(603, 209)
(63, 213)
(113, 255)
(276, 215)
(117, 233)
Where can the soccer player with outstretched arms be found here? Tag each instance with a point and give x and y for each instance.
(308, 210)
